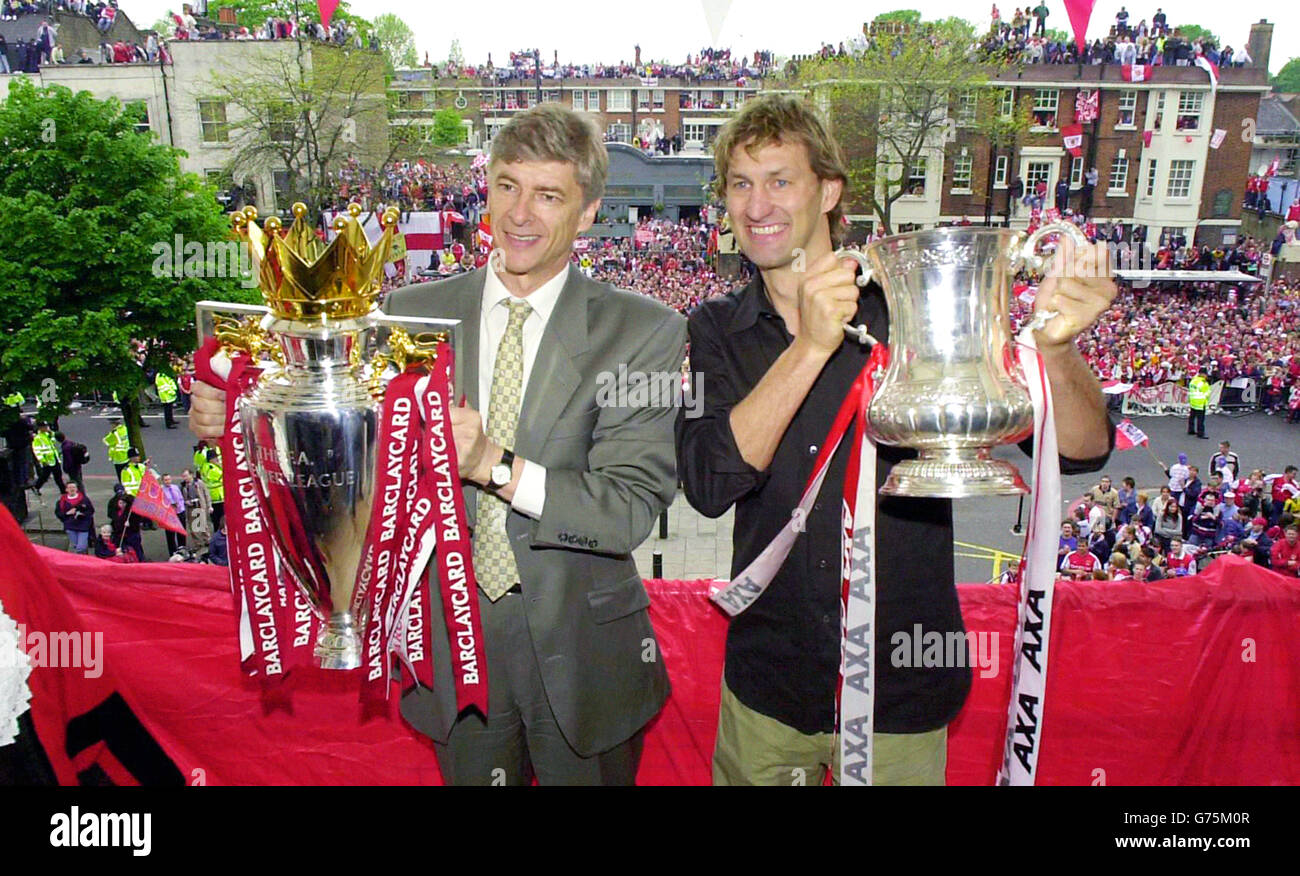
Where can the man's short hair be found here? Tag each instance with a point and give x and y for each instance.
(552, 132)
(782, 118)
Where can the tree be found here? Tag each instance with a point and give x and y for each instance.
(890, 105)
(89, 207)
(900, 16)
(303, 112)
(447, 128)
(1194, 32)
(1288, 78)
(396, 40)
(454, 55)
(254, 13)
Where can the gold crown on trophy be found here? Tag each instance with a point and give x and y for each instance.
(303, 278)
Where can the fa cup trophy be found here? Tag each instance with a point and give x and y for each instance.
(307, 428)
(951, 390)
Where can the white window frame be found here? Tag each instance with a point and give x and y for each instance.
(1076, 172)
(621, 128)
(966, 107)
(1128, 101)
(1000, 169)
(1152, 167)
(1190, 106)
(1007, 103)
(689, 127)
(579, 100)
(1182, 173)
(214, 130)
(960, 163)
(1160, 111)
(618, 100)
(593, 101)
(922, 165)
(657, 100)
(643, 100)
(1118, 173)
(1043, 105)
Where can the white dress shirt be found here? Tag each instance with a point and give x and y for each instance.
(530, 492)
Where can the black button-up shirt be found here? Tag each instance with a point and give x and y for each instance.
(783, 652)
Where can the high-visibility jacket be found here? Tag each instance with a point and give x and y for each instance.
(46, 449)
(211, 474)
(1198, 393)
(118, 444)
(166, 387)
(15, 399)
(131, 477)
(200, 460)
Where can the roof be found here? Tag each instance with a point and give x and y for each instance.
(1186, 277)
(1274, 117)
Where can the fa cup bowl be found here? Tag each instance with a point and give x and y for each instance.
(310, 423)
(952, 389)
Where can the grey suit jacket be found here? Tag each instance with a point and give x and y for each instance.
(610, 471)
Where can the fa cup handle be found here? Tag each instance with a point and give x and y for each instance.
(1025, 255)
(858, 332)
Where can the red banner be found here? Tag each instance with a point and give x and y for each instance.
(1072, 135)
(151, 504)
(1079, 12)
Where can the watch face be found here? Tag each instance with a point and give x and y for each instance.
(500, 474)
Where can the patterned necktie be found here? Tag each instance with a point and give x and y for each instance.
(494, 562)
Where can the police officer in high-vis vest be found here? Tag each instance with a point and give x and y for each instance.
(118, 443)
(166, 386)
(49, 458)
(1198, 398)
(132, 473)
(210, 471)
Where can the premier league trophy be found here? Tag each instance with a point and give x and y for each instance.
(951, 390)
(310, 422)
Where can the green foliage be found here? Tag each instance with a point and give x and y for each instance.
(1288, 78)
(1193, 32)
(902, 16)
(86, 205)
(254, 13)
(447, 128)
(396, 41)
(892, 107)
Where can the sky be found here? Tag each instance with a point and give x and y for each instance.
(592, 31)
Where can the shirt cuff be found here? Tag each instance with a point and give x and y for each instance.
(530, 492)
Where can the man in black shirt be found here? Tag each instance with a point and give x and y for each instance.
(776, 367)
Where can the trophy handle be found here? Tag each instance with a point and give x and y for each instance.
(1026, 254)
(858, 332)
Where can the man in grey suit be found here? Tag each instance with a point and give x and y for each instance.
(560, 484)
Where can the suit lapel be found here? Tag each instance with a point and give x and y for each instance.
(469, 306)
(554, 377)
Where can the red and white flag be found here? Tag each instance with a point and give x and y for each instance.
(1087, 106)
(1073, 136)
(1216, 140)
(1135, 72)
(1128, 436)
(484, 235)
(1209, 67)
(151, 504)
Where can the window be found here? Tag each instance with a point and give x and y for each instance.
(212, 121)
(916, 177)
(1046, 101)
(593, 101)
(1128, 101)
(1007, 103)
(657, 99)
(1076, 172)
(643, 100)
(1189, 110)
(578, 102)
(1000, 172)
(550, 97)
(1160, 111)
(961, 173)
(1180, 178)
(693, 134)
(280, 186)
(280, 122)
(139, 111)
(619, 100)
(966, 107)
(1118, 176)
(620, 132)
(1151, 178)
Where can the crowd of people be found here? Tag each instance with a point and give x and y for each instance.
(1023, 37)
(707, 65)
(409, 185)
(1123, 532)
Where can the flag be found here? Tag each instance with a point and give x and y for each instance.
(1273, 166)
(1128, 436)
(1146, 138)
(1025, 293)
(1217, 140)
(1087, 106)
(450, 216)
(151, 504)
(1079, 12)
(484, 234)
(1115, 387)
(1209, 67)
(1135, 72)
(1073, 136)
(326, 9)
(479, 161)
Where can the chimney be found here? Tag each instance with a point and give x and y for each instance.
(1261, 40)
